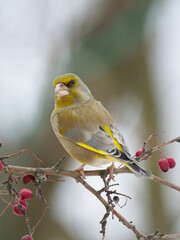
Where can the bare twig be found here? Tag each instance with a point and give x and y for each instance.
(106, 205)
(157, 235)
(4, 200)
(103, 222)
(164, 182)
(56, 167)
(34, 228)
(166, 143)
(171, 236)
(9, 204)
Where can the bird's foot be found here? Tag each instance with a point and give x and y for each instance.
(111, 168)
(81, 170)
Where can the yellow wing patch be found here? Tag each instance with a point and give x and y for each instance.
(118, 145)
(92, 149)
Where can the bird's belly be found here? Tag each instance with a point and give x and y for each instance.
(84, 155)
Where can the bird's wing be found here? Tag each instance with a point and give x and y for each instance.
(106, 140)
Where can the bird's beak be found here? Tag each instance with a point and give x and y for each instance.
(61, 90)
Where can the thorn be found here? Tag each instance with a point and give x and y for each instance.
(57, 165)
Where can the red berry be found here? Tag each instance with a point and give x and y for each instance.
(17, 209)
(26, 193)
(1, 165)
(163, 164)
(22, 202)
(139, 152)
(26, 237)
(172, 162)
(28, 178)
(47, 176)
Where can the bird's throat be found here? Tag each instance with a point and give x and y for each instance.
(63, 102)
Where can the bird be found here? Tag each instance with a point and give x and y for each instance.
(87, 130)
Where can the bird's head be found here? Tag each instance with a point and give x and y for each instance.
(69, 90)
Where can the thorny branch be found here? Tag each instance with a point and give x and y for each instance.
(76, 174)
(41, 173)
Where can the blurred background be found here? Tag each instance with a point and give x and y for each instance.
(128, 53)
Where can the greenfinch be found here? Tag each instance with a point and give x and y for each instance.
(86, 129)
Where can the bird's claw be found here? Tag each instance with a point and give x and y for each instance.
(111, 169)
(81, 170)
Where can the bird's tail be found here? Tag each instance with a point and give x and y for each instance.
(130, 163)
(138, 170)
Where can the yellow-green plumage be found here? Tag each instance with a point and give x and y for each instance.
(85, 128)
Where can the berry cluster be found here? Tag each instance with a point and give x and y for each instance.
(166, 163)
(21, 204)
(20, 198)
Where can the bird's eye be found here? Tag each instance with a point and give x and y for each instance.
(70, 83)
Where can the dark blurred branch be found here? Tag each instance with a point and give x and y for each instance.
(107, 12)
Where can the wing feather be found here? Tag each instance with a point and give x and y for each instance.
(120, 139)
(101, 141)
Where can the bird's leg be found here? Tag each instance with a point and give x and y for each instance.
(111, 168)
(81, 170)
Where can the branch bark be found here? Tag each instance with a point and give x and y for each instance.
(76, 174)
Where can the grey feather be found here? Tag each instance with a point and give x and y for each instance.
(78, 135)
(120, 139)
(99, 140)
